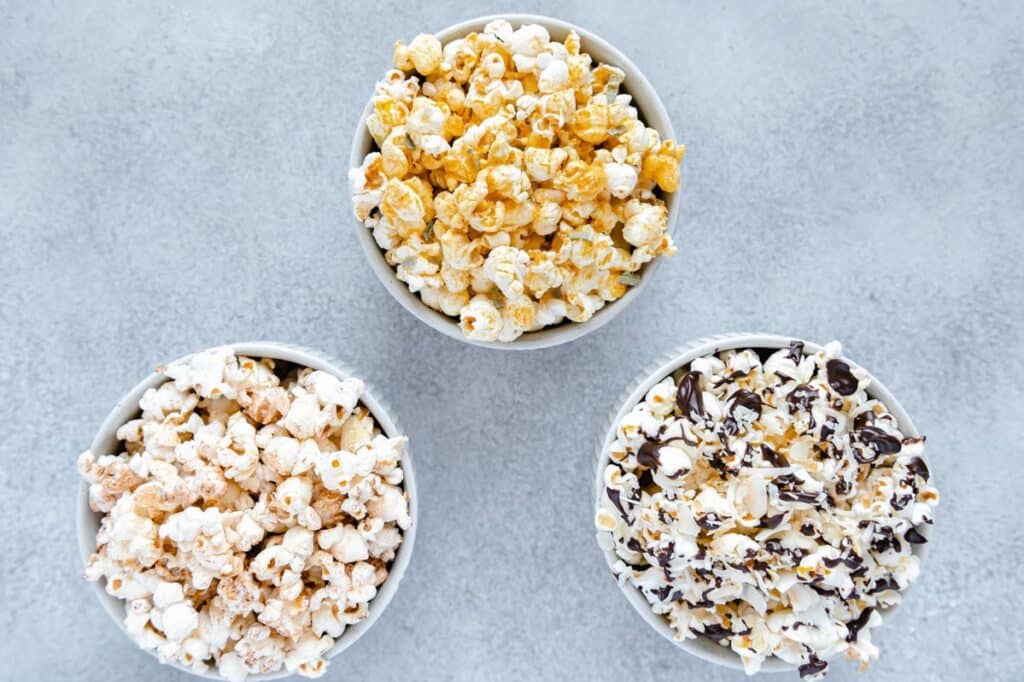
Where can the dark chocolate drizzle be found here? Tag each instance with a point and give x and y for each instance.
(802, 397)
(747, 399)
(689, 397)
(616, 497)
(828, 428)
(881, 442)
(647, 455)
(662, 593)
(709, 521)
(883, 584)
(800, 496)
(796, 351)
(854, 627)
(863, 419)
(813, 666)
(665, 556)
(917, 467)
(774, 458)
(914, 538)
(715, 632)
(840, 378)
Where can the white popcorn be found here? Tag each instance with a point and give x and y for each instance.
(224, 460)
(494, 65)
(800, 489)
(622, 179)
(336, 470)
(281, 454)
(364, 198)
(307, 652)
(179, 621)
(345, 544)
(529, 40)
(332, 391)
(424, 53)
(167, 594)
(554, 77)
(363, 587)
(549, 312)
(238, 453)
(261, 651)
(327, 620)
(644, 226)
(384, 543)
(637, 426)
(480, 319)
(203, 373)
(294, 494)
(195, 651)
(661, 399)
(390, 506)
(302, 416)
(499, 28)
(184, 527)
(230, 667)
(426, 118)
(298, 541)
(506, 267)
(166, 400)
(245, 532)
(674, 462)
(434, 145)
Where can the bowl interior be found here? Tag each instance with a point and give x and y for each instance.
(88, 521)
(651, 110)
(702, 647)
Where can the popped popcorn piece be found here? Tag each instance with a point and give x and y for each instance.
(109, 477)
(770, 505)
(506, 267)
(480, 319)
(514, 186)
(227, 461)
(179, 621)
(294, 494)
(423, 54)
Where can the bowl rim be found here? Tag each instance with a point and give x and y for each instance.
(87, 521)
(682, 356)
(652, 112)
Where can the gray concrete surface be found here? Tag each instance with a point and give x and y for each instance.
(172, 176)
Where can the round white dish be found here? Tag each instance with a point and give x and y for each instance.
(652, 113)
(701, 647)
(88, 521)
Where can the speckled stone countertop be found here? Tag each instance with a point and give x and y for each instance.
(172, 176)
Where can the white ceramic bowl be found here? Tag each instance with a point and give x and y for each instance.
(127, 408)
(702, 647)
(652, 113)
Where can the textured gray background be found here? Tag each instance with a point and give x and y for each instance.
(172, 176)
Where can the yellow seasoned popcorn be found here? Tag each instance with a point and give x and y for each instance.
(514, 186)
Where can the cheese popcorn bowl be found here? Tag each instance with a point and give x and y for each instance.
(702, 646)
(127, 408)
(651, 112)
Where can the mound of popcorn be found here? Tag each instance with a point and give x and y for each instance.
(252, 515)
(515, 185)
(768, 504)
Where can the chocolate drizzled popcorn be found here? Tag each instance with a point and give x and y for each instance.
(768, 505)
